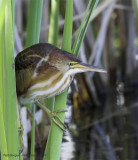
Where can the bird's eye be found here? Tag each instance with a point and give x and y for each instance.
(70, 64)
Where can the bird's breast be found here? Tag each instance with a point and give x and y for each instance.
(49, 88)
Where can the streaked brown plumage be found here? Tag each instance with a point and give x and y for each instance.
(43, 70)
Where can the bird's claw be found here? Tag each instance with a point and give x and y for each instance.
(53, 115)
(55, 118)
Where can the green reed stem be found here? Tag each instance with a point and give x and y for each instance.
(55, 137)
(53, 39)
(8, 108)
(33, 33)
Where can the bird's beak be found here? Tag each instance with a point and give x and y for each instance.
(83, 67)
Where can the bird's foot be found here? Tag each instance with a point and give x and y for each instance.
(53, 116)
(56, 119)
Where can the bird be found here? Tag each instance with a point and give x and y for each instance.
(43, 71)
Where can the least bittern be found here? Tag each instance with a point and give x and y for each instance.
(43, 71)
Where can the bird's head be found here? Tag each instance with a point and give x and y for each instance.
(67, 62)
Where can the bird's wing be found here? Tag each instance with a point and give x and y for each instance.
(32, 55)
(26, 62)
(23, 80)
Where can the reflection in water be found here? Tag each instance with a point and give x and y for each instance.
(68, 145)
(110, 132)
(120, 94)
(67, 148)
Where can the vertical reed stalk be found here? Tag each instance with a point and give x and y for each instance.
(8, 121)
(54, 140)
(33, 33)
(3, 141)
(83, 27)
(53, 39)
(34, 22)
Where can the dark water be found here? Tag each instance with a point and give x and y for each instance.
(108, 132)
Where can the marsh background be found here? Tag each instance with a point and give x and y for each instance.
(102, 108)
